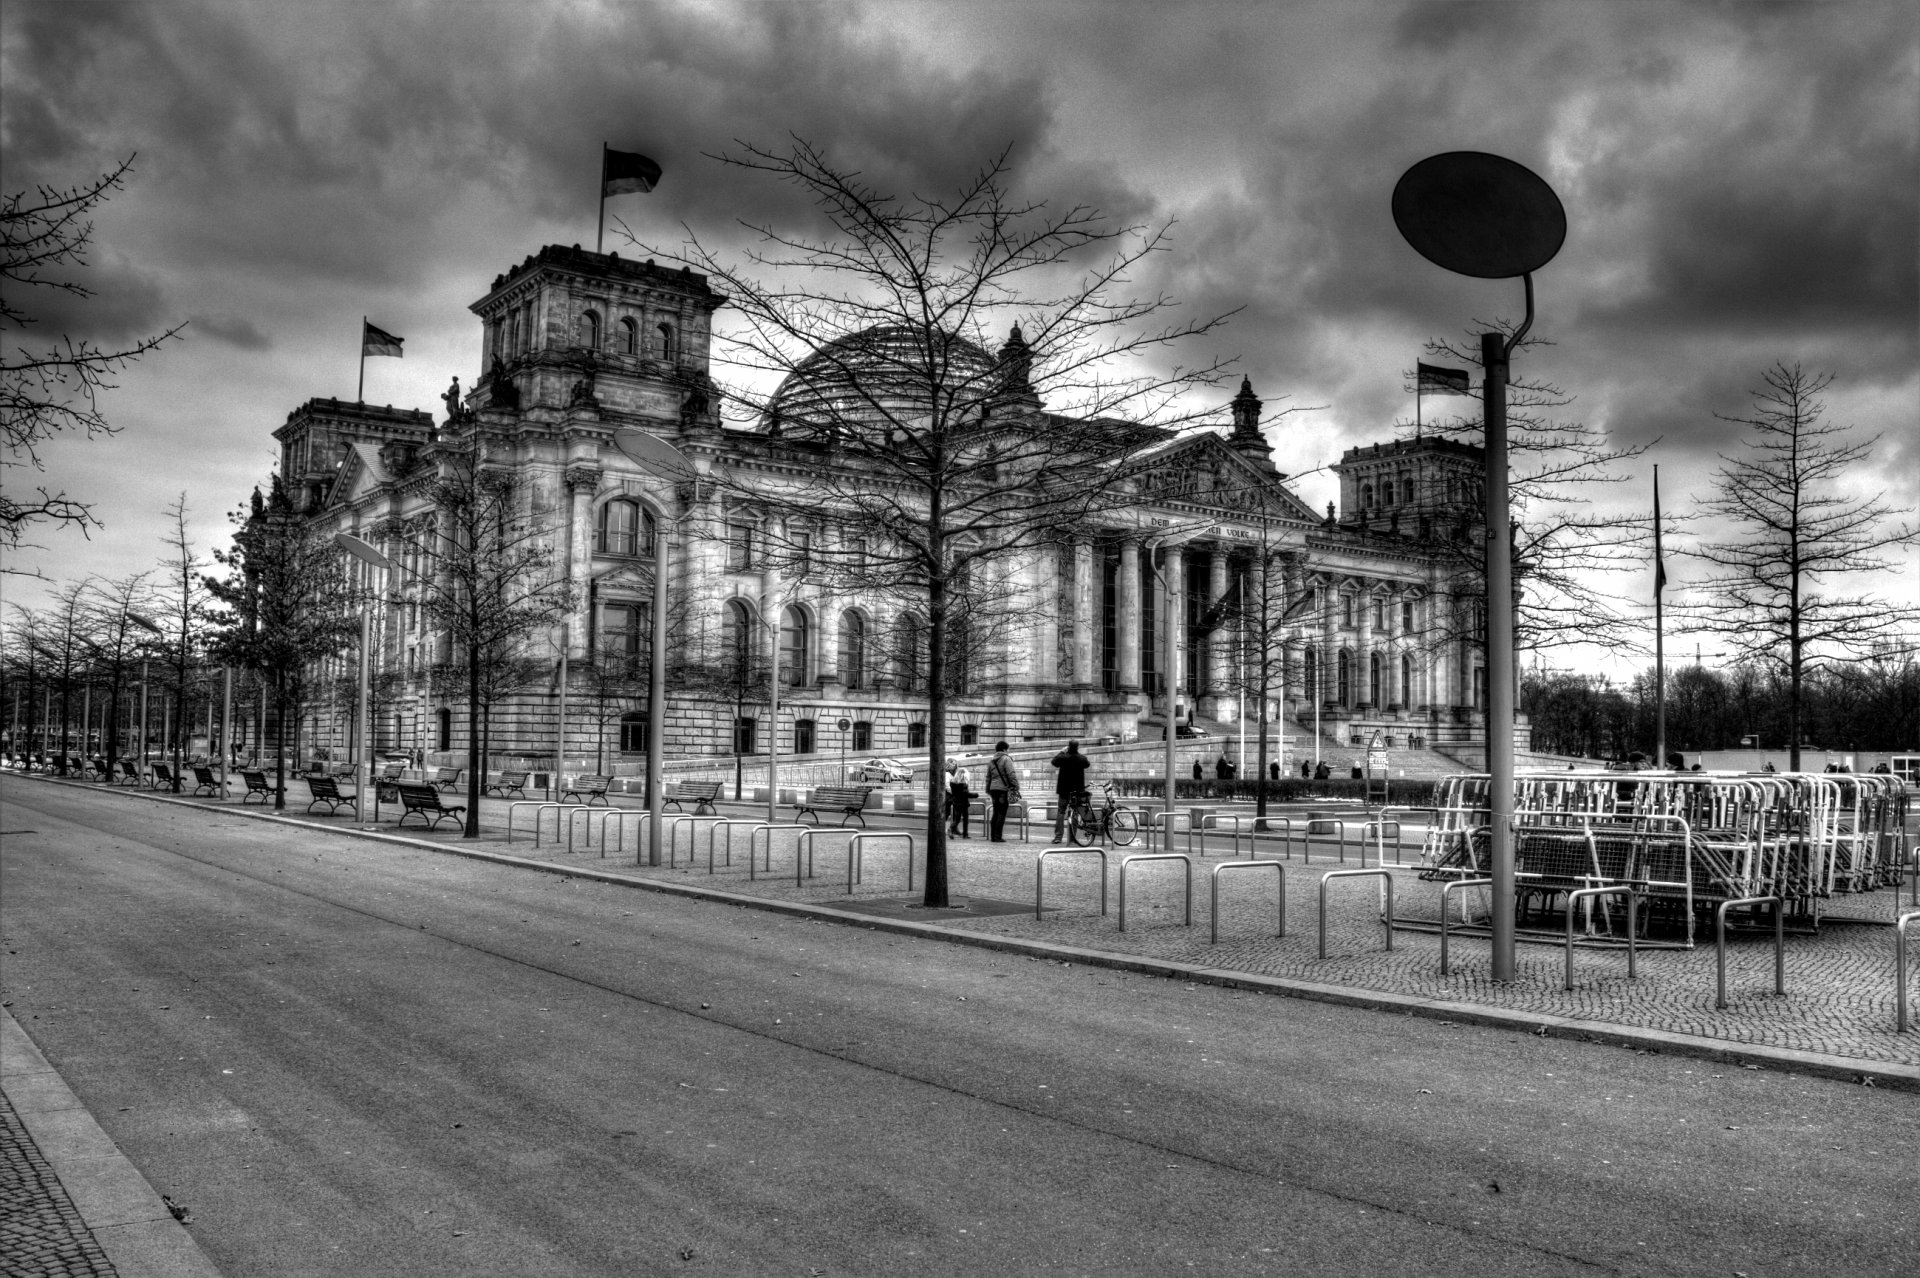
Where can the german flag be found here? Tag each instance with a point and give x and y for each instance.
(624, 171)
(375, 340)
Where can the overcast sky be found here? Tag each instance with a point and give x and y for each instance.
(1740, 181)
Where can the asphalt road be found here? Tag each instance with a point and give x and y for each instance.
(346, 1058)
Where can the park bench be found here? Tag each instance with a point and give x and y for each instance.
(129, 772)
(420, 799)
(446, 779)
(257, 783)
(703, 793)
(846, 799)
(205, 779)
(326, 790)
(161, 776)
(587, 789)
(509, 783)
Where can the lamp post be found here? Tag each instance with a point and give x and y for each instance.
(1169, 542)
(146, 658)
(363, 767)
(656, 456)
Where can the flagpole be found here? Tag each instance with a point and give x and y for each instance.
(1416, 401)
(360, 393)
(1659, 636)
(600, 224)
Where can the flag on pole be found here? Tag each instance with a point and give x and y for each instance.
(624, 171)
(1442, 381)
(1659, 559)
(377, 341)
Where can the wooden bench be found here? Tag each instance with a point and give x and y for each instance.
(326, 790)
(847, 799)
(509, 783)
(420, 799)
(257, 783)
(205, 779)
(703, 793)
(446, 779)
(587, 789)
(161, 777)
(129, 772)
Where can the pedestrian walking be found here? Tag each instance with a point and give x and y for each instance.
(1306, 769)
(1069, 783)
(1199, 774)
(1003, 786)
(959, 798)
(1273, 770)
(1223, 769)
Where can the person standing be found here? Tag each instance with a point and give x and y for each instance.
(1069, 783)
(959, 799)
(1003, 786)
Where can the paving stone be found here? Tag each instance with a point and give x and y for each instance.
(41, 1234)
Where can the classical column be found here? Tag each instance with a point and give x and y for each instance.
(1086, 615)
(581, 482)
(1175, 597)
(1363, 651)
(1329, 672)
(1440, 640)
(1127, 622)
(1219, 664)
(1392, 694)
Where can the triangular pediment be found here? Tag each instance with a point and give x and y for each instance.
(361, 473)
(1203, 470)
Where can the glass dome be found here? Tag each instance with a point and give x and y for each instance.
(890, 374)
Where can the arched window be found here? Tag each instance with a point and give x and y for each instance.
(736, 645)
(909, 656)
(916, 736)
(853, 650)
(667, 349)
(1344, 694)
(793, 648)
(1373, 679)
(626, 528)
(1386, 493)
(629, 337)
(1366, 496)
(590, 330)
(633, 732)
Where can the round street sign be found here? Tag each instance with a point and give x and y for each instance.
(845, 724)
(1478, 214)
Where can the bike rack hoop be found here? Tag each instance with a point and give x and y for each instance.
(1444, 889)
(1900, 970)
(727, 824)
(1280, 929)
(1040, 865)
(805, 844)
(753, 840)
(1633, 919)
(538, 806)
(1384, 875)
(857, 853)
(620, 817)
(1126, 861)
(1779, 943)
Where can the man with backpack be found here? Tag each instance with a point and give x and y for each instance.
(1003, 786)
(1069, 783)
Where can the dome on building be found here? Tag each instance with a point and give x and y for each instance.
(886, 373)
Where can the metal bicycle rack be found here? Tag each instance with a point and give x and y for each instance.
(805, 844)
(538, 806)
(728, 824)
(1217, 821)
(573, 812)
(1633, 922)
(1213, 937)
(753, 841)
(1900, 970)
(620, 816)
(1126, 861)
(1040, 865)
(1385, 876)
(1779, 943)
(1445, 888)
(1377, 827)
(857, 853)
(1306, 839)
(1152, 819)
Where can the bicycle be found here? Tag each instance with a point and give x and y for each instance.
(1086, 824)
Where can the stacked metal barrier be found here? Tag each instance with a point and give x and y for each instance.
(1695, 838)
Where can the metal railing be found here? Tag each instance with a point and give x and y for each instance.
(1779, 943)
(1900, 970)
(1377, 827)
(753, 841)
(538, 806)
(1280, 930)
(1445, 888)
(805, 844)
(1181, 857)
(1306, 839)
(1633, 922)
(1040, 865)
(620, 816)
(728, 824)
(1386, 876)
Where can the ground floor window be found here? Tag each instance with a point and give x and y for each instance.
(803, 736)
(862, 735)
(633, 732)
(916, 736)
(743, 735)
(443, 729)
(969, 734)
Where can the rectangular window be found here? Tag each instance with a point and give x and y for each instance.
(623, 638)
(633, 734)
(740, 548)
(1406, 616)
(743, 735)
(1379, 614)
(802, 553)
(862, 735)
(803, 736)
(1346, 611)
(857, 554)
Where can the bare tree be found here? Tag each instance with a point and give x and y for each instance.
(488, 586)
(1769, 591)
(117, 640)
(51, 390)
(183, 604)
(926, 467)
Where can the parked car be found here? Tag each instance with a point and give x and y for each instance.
(1188, 730)
(884, 770)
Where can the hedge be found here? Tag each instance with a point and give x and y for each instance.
(1400, 793)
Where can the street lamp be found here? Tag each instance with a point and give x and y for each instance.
(656, 456)
(363, 770)
(1489, 218)
(1168, 542)
(146, 658)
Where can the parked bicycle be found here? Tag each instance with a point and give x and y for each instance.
(1088, 824)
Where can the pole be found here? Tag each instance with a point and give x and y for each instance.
(657, 697)
(1494, 350)
(560, 741)
(360, 394)
(1172, 679)
(600, 222)
(773, 721)
(364, 779)
(226, 728)
(1659, 638)
(145, 661)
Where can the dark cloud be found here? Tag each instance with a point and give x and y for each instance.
(234, 330)
(127, 303)
(1437, 26)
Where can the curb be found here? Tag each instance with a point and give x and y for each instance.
(1758, 1056)
(116, 1203)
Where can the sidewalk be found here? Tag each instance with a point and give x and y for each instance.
(74, 1205)
(1837, 1018)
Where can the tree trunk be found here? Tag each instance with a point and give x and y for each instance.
(474, 757)
(936, 893)
(279, 745)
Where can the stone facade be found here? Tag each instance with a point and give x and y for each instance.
(576, 345)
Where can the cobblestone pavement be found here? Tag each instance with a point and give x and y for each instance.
(1840, 992)
(41, 1235)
